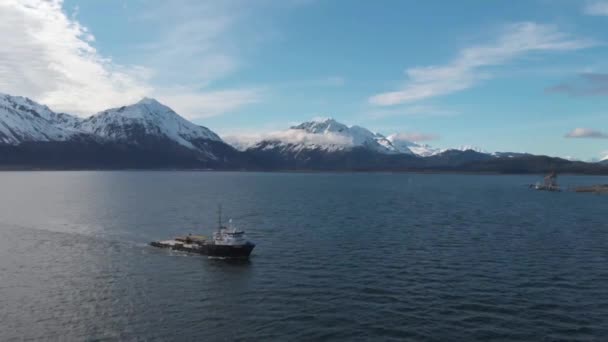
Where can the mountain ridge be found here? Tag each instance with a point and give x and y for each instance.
(148, 134)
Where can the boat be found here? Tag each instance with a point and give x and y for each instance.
(227, 242)
(549, 183)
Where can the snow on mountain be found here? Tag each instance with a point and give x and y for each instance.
(291, 139)
(146, 124)
(143, 119)
(470, 148)
(406, 146)
(322, 126)
(324, 134)
(23, 120)
(424, 150)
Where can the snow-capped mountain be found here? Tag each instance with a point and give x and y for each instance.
(23, 120)
(405, 146)
(145, 133)
(356, 136)
(149, 134)
(424, 150)
(148, 124)
(327, 135)
(147, 117)
(470, 148)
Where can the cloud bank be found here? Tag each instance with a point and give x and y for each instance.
(586, 133)
(49, 57)
(469, 67)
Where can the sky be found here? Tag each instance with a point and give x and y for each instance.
(520, 76)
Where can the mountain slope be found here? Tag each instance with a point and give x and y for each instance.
(150, 124)
(23, 120)
(146, 117)
(406, 146)
(354, 136)
(325, 136)
(143, 135)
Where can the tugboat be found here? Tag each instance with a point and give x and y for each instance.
(549, 184)
(227, 242)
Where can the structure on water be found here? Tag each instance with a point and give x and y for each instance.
(549, 183)
(597, 189)
(227, 242)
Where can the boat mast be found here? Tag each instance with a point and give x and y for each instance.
(219, 217)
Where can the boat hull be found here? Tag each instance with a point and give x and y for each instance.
(213, 250)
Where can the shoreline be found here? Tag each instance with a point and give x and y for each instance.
(287, 171)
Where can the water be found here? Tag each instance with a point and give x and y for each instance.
(339, 257)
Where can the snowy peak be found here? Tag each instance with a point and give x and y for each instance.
(144, 119)
(406, 146)
(465, 148)
(147, 126)
(328, 135)
(25, 105)
(322, 126)
(145, 123)
(153, 106)
(424, 150)
(24, 120)
(150, 101)
(146, 108)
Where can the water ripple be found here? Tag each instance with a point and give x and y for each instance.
(358, 257)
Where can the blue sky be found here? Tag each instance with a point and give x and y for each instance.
(500, 75)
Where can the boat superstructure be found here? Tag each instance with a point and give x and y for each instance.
(549, 183)
(227, 241)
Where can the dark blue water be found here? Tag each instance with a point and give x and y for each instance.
(339, 257)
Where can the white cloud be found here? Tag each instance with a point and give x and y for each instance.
(49, 57)
(468, 68)
(599, 8)
(586, 133)
(604, 155)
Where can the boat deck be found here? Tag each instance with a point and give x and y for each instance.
(176, 245)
